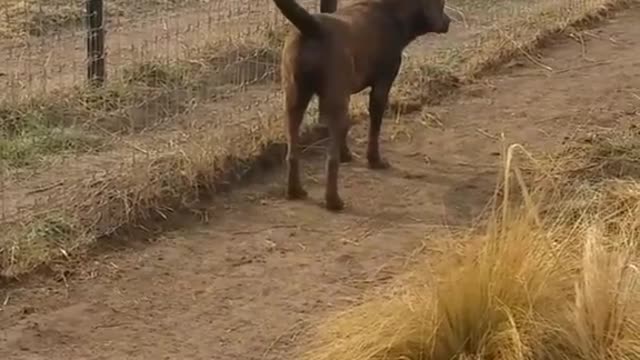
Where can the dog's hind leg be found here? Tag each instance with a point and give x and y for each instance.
(334, 110)
(297, 99)
(378, 101)
(345, 152)
(328, 6)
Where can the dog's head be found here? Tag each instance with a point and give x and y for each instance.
(433, 19)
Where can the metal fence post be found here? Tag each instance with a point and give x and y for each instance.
(95, 42)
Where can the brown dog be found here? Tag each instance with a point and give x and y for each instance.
(334, 55)
(328, 6)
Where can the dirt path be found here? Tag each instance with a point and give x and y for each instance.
(248, 283)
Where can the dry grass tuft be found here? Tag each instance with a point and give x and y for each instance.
(601, 156)
(47, 239)
(602, 322)
(535, 284)
(31, 17)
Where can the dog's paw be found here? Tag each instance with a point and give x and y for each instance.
(334, 203)
(296, 193)
(378, 164)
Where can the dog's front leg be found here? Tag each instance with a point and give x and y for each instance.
(378, 100)
(297, 99)
(345, 152)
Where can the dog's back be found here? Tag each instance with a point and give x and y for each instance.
(356, 40)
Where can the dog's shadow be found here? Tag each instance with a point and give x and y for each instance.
(469, 190)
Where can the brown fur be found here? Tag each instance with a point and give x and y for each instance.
(328, 6)
(334, 55)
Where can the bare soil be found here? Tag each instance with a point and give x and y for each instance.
(247, 282)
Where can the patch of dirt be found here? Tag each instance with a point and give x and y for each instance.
(249, 282)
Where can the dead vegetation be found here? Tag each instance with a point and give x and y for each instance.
(142, 189)
(142, 97)
(553, 275)
(36, 18)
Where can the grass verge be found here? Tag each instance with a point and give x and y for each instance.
(143, 96)
(154, 187)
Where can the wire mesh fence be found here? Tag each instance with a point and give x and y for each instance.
(43, 43)
(182, 78)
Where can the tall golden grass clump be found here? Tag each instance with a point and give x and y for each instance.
(542, 281)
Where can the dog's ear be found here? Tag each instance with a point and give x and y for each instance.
(436, 20)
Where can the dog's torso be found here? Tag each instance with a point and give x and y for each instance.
(363, 43)
(334, 55)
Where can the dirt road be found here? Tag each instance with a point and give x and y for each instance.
(249, 282)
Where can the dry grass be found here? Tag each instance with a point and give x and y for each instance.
(160, 183)
(143, 96)
(553, 276)
(443, 71)
(37, 17)
(538, 283)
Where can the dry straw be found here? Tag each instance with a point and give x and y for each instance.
(549, 286)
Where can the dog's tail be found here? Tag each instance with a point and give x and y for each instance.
(299, 17)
